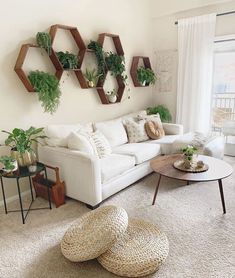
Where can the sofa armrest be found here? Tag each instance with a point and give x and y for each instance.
(215, 147)
(173, 129)
(80, 171)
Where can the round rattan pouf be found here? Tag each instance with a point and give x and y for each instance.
(140, 252)
(94, 233)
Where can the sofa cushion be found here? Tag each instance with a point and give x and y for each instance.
(80, 142)
(114, 131)
(114, 165)
(58, 134)
(136, 131)
(140, 151)
(166, 143)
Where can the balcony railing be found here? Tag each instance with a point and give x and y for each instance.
(223, 109)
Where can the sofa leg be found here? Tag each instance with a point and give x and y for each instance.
(92, 207)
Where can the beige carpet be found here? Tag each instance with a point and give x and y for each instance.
(202, 239)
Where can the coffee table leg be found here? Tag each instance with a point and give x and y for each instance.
(156, 190)
(222, 195)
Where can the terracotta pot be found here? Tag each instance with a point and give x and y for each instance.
(24, 159)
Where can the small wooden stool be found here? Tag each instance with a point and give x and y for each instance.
(57, 188)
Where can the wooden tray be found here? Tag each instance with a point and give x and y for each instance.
(179, 165)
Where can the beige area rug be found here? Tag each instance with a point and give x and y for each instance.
(202, 239)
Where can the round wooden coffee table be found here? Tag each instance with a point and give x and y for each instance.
(218, 170)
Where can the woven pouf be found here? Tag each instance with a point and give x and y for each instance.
(94, 233)
(140, 252)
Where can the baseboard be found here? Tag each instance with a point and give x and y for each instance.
(15, 197)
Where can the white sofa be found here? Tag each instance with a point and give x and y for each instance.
(92, 180)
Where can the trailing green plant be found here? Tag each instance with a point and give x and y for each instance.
(47, 87)
(189, 151)
(68, 60)
(8, 162)
(116, 64)
(21, 140)
(92, 77)
(44, 41)
(164, 112)
(100, 57)
(146, 76)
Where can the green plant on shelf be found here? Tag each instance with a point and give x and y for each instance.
(116, 64)
(100, 57)
(44, 41)
(47, 87)
(145, 76)
(92, 77)
(163, 111)
(68, 60)
(8, 162)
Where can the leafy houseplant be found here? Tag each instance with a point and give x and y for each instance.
(116, 64)
(189, 153)
(10, 164)
(164, 112)
(145, 76)
(68, 60)
(100, 56)
(21, 142)
(47, 87)
(44, 41)
(92, 77)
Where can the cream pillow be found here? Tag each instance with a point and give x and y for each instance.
(136, 131)
(81, 143)
(152, 118)
(102, 145)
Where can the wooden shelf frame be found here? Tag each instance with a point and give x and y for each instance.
(121, 85)
(134, 67)
(20, 63)
(81, 50)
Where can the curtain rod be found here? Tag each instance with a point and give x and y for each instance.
(226, 13)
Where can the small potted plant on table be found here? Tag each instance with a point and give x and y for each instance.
(189, 156)
(9, 163)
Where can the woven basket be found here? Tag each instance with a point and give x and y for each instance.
(140, 252)
(94, 233)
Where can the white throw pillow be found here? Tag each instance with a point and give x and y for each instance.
(136, 131)
(81, 143)
(99, 143)
(114, 131)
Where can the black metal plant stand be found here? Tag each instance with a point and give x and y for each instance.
(24, 173)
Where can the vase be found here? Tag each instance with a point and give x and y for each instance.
(112, 99)
(24, 159)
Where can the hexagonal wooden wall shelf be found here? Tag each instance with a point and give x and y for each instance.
(120, 82)
(80, 44)
(20, 62)
(134, 67)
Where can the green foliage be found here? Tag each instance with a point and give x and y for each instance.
(68, 60)
(92, 76)
(47, 87)
(164, 112)
(189, 151)
(100, 56)
(146, 75)
(21, 140)
(116, 64)
(112, 93)
(8, 162)
(44, 41)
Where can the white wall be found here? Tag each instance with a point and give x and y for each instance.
(165, 38)
(19, 23)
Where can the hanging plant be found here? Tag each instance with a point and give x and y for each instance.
(68, 60)
(44, 41)
(47, 87)
(100, 56)
(145, 76)
(116, 64)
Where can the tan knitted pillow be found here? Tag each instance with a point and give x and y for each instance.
(154, 130)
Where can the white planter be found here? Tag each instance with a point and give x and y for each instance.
(143, 83)
(15, 168)
(112, 99)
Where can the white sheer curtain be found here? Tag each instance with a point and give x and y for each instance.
(195, 70)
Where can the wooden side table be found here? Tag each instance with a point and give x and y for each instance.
(24, 173)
